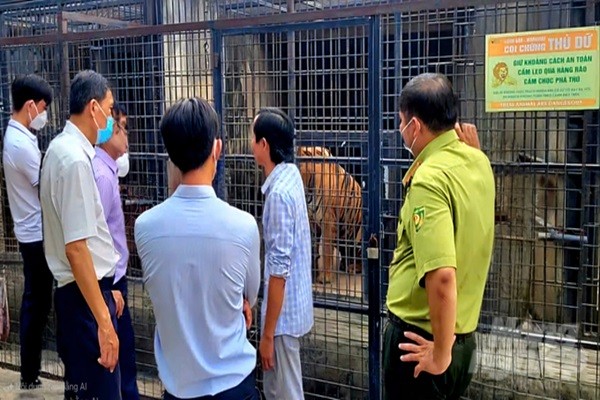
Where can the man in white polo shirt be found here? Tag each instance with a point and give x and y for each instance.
(79, 248)
(21, 158)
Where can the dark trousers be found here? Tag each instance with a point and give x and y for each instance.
(35, 307)
(398, 376)
(78, 347)
(244, 391)
(129, 389)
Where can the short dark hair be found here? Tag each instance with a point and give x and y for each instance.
(278, 130)
(87, 85)
(30, 87)
(189, 129)
(119, 110)
(430, 98)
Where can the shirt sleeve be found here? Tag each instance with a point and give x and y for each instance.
(430, 228)
(107, 195)
(253, 275)
(140, 237)
(29, 164)
(75, 202)
(279, 236)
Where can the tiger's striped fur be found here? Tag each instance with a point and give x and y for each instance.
(334, 202)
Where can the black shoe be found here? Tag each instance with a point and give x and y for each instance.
(28, 385)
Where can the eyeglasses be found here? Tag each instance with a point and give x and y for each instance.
(122, 128)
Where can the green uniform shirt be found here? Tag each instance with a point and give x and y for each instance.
(447, 220)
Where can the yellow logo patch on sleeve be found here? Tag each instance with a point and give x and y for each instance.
(418, 217)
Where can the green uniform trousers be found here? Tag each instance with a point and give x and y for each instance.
(398, 376)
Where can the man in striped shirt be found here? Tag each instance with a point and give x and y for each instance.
(287, 308)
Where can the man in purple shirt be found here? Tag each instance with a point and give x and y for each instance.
(107, 181)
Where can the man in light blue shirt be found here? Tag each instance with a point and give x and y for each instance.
(287, 309)
(200, 260)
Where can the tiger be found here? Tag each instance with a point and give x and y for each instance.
(334, 202)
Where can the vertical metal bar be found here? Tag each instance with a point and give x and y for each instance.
(574, 255)
(153, 60)
(150, 12)
(63, 50)
(4, 80)
(4, 117)
(291, 67)
(589, 223)
(217, 75)
(397, 66)
(395, 143)
(159, 17)
(374, 200)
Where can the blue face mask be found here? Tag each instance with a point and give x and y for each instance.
(105, 134)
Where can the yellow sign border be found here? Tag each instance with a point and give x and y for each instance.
(529, 44)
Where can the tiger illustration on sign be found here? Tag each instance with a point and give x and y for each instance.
(334, 202)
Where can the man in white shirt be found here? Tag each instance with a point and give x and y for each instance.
(78, 245)
(21, 158)
(200, 259)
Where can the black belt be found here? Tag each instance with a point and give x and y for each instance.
(399, 323)
(106, 284)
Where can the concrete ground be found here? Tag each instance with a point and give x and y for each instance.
(9, 388)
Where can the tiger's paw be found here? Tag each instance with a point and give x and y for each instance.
(324, 279)
(355, 268)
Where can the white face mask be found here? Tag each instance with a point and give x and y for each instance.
(408, 148)
(39, 121)
(123, 165)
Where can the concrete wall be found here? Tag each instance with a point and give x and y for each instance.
(187, 55)
(248, 87)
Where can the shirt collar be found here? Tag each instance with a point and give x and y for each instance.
(108, 160)
(23, 129)
(279, 168)
(72, 129)
(432, 147)
(195, 191)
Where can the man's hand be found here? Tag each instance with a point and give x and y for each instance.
(423, 354)
(109, 346)
(274, 304)
(119, 301)
(247, 314)
(267, 353)
(467, 133)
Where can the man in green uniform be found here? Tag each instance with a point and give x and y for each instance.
(445, 239)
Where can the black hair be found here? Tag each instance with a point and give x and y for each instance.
(87, 85)
(119, 110)
(189, 129)
(30, 87)
(430, 98)
(277, 128)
